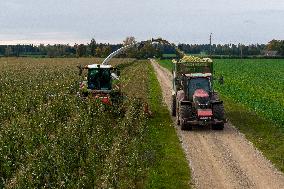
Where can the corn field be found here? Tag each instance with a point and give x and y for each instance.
(50, 138)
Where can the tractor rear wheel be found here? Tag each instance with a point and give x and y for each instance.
(218, 126)
(174, 105)
(218, 113)
(185, 112)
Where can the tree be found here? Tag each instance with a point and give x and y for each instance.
(92, 47)
(281, 48)
(133, 51)
(8, 51)
(129, 40)
(149, 51)
(106, 50)
(273, 45)
(99, 52)
(81, 50)
(276, 45)
(50, 51)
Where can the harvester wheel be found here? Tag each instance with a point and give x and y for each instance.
(174, 105)
(218, 112)
(116, 98)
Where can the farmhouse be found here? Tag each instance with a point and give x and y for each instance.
(269, 53)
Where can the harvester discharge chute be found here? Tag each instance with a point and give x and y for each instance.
(100, 77)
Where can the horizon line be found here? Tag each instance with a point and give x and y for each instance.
(86, 42)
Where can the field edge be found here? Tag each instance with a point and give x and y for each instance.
(172, 171)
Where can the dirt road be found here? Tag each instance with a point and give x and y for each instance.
(222, 159)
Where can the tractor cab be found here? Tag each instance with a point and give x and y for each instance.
(198, 90)
(197, 81)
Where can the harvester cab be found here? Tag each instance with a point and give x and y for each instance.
(99, 83)
(194, 101)
(100, 77)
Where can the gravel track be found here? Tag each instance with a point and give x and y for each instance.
(221, 159)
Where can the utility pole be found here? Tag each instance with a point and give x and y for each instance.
(210, 51)
(241, 51)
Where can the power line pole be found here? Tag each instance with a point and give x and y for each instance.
(241, 51)
(210, 51)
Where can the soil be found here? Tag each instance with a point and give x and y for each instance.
(221, 159)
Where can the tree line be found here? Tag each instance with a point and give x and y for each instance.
(102, 50)
(276, 45)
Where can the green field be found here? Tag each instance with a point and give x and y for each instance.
(51, 138)
(254, 102)
(253, 96)
(258, 84)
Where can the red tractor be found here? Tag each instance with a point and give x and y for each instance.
(194, 102)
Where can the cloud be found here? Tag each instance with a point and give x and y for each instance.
(112, 20)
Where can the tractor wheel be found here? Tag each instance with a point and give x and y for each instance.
(183, 125)
(218, 113)
(218, 127)
(215, 96)
(174, 105)
(177, 120)
(185, 112)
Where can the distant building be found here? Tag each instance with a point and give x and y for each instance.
(269, 53)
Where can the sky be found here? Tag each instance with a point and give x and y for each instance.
(111, 21)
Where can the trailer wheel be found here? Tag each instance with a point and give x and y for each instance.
(174, 105)
(178, 120)
(183, 125)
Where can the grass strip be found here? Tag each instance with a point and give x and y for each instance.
(264, 134)
(166, 64)
(171, 169)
